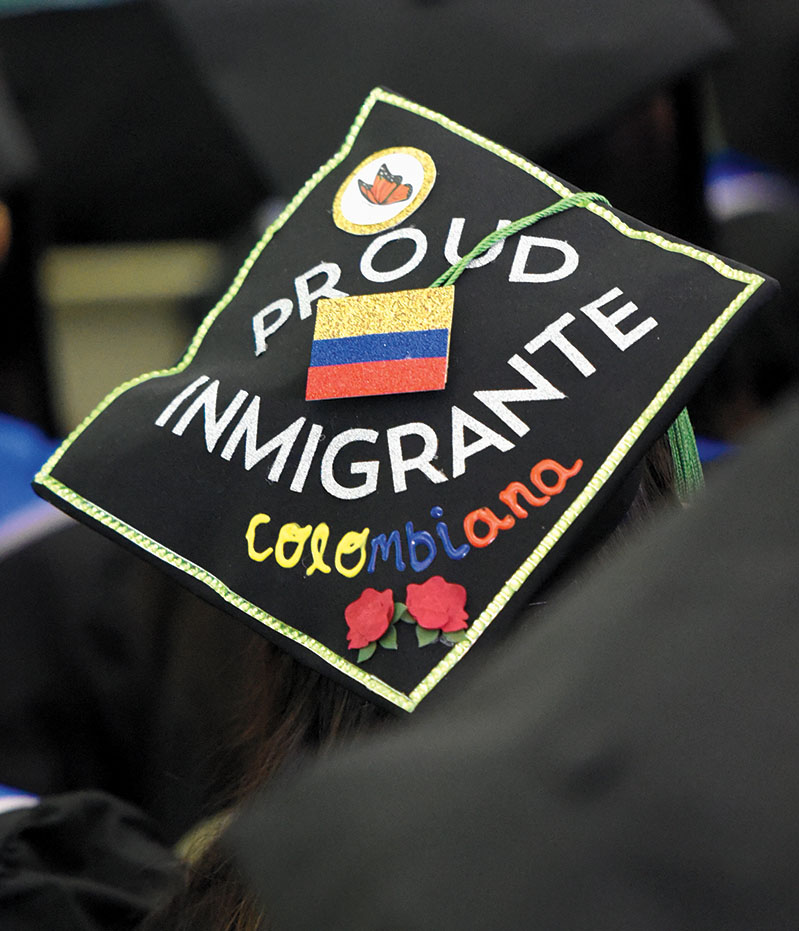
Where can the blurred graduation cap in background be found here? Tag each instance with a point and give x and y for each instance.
(131, 143)
(535, 75)
(138, 140)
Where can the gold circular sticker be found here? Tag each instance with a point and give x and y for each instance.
(384, 190)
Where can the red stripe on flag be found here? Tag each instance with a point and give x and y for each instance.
(358, 379)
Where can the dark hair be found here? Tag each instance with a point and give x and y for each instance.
(290, 711)
(656, 488)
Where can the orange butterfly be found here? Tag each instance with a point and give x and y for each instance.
(386, 188)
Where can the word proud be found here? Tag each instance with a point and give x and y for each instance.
(559, 260)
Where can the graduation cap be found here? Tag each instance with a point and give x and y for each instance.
(536, 76)
(628, 761)
(131, 144)
(381, 440)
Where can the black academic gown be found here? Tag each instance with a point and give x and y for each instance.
(81, 862)
(628, 762)
(113, 677)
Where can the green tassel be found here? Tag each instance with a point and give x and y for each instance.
(688, 474)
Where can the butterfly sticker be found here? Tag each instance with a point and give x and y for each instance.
(374, 197)
(386, 188)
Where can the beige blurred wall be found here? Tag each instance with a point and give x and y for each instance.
(115, 311)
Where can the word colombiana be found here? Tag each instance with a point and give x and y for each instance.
(421, 547)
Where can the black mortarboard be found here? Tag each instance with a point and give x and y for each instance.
(131, 144)
(535, 75)
(329, 469)
(629, 761)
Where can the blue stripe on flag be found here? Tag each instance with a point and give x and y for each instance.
(380, 347)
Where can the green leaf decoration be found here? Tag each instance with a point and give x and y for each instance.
(389, 639)
(454, 636)
(401, 613)
(425, 637)
(366, 652)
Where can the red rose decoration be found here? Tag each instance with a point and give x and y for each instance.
(368, 617)
(438, 605)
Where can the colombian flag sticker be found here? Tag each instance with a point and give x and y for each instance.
(381, 344)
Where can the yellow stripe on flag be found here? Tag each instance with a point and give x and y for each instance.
(392, 312)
